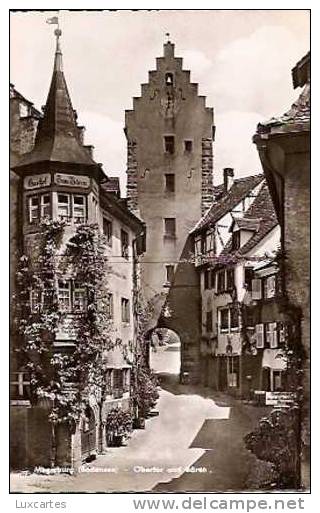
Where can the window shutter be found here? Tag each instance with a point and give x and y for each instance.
(271, 286)
(259, 336)
(282, 335)
(256, 289)
(273, 335)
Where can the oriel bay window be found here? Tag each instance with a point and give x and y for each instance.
(39, 207)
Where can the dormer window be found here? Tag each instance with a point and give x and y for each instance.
(169, 78)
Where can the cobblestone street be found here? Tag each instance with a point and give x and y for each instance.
(195, 444)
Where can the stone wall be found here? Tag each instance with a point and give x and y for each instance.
(207, 176)
(132, 177)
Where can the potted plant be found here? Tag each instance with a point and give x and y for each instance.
(118, 426)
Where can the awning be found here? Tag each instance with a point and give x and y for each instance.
(274, 359)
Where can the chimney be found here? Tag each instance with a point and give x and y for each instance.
(228, 174)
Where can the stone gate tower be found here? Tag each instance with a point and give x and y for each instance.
(169, 135)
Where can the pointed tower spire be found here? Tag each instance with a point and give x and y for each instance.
(58, 56)
(58, 138)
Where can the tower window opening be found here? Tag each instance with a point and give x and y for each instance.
(169, 144)
(170, 227)
(188, 146)
(169, 78)
(169, 182)
(169, 274)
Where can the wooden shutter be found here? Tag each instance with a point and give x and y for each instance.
(259, 336)
(271, 286)
(256, 289)
(273, 335)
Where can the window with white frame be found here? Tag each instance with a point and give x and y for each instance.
(79, 297)
(64, 295)
(228, 319)
(270, 334)
(264, 288)
(72, 296)
(72, 206)
(64, 206)
(225, 280)
(39, 207)
(79, 208)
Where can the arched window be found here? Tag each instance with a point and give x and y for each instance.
(169, 78)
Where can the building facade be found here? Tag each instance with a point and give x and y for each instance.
(283, 144)
(230, 241)
(170, 185)
(58, 181)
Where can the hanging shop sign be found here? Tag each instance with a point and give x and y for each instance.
(72, 180)
(37, 181)
(280, 399)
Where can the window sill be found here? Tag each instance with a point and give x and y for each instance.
(169, 236)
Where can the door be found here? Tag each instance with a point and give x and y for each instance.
(88, 434)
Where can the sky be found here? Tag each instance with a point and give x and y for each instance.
(242, 60)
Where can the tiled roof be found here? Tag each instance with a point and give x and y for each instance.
(226, 201)
(261, 209)
(297, 118)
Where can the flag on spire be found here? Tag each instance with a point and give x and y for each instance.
(53, 21)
